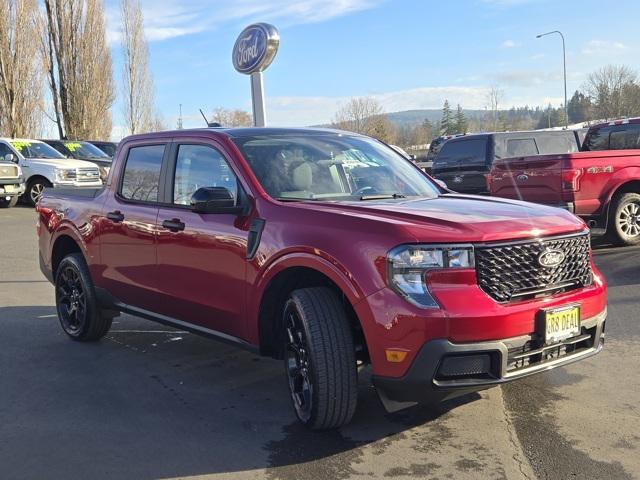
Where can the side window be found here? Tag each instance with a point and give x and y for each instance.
(200, 166)
(4, 150)
(597, 139)
(625, 139)
(142, 173)
(521, 147)
(464, 152)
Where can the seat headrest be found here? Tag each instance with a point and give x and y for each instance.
(302, 176)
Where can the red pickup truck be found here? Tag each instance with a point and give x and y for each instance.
(330, 251)
(601, 183)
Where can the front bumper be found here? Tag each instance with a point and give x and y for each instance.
(510, 359)
(10, 187)
(97, 184)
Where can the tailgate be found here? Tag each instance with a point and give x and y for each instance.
(463, 179)
(533, 179)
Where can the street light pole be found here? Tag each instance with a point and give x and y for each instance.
(564, 66)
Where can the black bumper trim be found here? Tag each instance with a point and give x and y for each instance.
(420, 385)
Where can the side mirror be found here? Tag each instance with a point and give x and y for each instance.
(10, 157)
(442, 183)
(214, 200)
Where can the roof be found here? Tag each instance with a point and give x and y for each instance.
(245, 132)
(31, 140)
(621, 121)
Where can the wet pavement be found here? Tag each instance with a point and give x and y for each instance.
(152, 402)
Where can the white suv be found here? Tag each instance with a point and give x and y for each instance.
(44, 167)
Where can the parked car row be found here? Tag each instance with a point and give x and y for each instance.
(29, 166)
(597, 179)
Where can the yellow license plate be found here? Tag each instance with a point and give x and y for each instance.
(561, 323)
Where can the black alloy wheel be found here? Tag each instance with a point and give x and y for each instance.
(298, 364)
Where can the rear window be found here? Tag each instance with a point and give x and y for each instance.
(597, 139)
(521, 147)
(142, 173)
(463, 152)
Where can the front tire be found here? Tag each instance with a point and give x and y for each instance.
(624, 224)
(35, 187)
(80, 316)
(319, 358)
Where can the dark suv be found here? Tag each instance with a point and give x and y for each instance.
(464, 161)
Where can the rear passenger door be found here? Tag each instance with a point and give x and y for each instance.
(201, 256)
(128, 227)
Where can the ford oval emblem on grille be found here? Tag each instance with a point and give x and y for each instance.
(551, 258)
(522, 178)
(457, 179)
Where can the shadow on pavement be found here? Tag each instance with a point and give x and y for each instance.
(152, 402)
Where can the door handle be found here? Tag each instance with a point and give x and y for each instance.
(175, 225)
(116, 216)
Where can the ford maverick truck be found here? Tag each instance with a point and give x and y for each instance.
(329, 251)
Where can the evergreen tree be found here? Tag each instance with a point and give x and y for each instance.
(460, 121)
(447, 125)
(579, 108)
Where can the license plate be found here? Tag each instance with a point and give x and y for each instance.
(8, 188)
(561, 323)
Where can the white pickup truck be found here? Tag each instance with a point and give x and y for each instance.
(11, 183)
(44, 167)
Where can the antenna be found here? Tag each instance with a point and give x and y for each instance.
(209, 124)
(180, 119)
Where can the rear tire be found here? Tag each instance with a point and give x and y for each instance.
(319, 358)
(34, 190)
(78, 311)
(624, 219)
(8, 204)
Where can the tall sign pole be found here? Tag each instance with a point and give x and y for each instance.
(253, 52)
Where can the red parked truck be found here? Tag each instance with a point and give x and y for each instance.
(327, 250)
(601, 183)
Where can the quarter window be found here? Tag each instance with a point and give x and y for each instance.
(142, 173)
(200, 166)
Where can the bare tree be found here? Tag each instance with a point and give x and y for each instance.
(365, 115)
(138, 89)
(20, 73)
(232, 118)
(78, 62)
(495, 96)
(614, 92)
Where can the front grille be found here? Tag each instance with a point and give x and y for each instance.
(88, 174)
(512, 271)
(8, 171)
(534, 352)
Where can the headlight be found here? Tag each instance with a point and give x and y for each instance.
(66, 174)
(408, 264)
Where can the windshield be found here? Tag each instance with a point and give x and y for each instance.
(85, 150)
(35, 149)
(332, 167)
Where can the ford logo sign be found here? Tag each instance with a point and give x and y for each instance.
(522, 178)
(457, 179)
(550, 258)
(255, 48)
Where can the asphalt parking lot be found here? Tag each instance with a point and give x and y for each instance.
(152, 402)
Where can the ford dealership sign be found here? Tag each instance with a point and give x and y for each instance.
(255, 48)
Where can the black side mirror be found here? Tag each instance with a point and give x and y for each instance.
(214, 200)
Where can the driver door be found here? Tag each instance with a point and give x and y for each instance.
(201, 257)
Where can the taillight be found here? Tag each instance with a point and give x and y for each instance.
(571, 179)
(489, 179)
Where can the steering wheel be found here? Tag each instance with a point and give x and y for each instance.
(362, 190)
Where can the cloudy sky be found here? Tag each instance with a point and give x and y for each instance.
(406, 53)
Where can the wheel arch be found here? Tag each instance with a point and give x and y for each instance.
(64, 244)
(290, 274)
(630, 186)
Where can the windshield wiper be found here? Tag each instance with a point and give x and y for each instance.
(382, 196)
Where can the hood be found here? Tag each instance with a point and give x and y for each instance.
(467, 218)
(62, 162)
